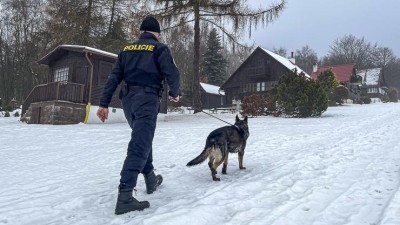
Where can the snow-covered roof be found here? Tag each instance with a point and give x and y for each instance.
(286, 62)
(370, 76)
(212, 89)
(90, 49)
(78, 48)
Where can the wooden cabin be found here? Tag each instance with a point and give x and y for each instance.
(257, 74)
(76, 79)
(211, 96)
(372, 83)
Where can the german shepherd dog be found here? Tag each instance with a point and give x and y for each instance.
(220, 142)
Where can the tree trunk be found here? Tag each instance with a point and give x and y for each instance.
(196, 98)
(86, 37)
(112, 17)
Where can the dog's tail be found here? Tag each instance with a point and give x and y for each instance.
(199, 159)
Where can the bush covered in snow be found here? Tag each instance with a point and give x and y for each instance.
(7, 114)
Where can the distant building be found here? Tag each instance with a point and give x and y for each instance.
(76, 77)
(211, 96)
(372, 82)
(370, 85)
(342, 72)
(257, 74)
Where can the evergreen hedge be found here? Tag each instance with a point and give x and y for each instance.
(300, 96)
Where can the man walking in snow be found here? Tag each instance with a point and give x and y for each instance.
(143, 65)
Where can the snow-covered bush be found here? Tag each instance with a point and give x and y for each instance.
(7, 114)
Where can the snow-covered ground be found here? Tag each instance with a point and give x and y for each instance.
(342, 168)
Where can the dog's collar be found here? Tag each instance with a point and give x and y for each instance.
(241, 131)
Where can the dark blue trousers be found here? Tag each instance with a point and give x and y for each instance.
(141, 106)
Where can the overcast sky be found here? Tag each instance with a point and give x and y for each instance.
(318, 23)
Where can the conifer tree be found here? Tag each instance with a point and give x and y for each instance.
(214, 65)
(328, 81)
(175, 13)
(298, 96)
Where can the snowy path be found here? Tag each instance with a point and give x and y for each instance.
(343, 168)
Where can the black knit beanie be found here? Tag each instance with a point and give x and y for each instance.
(150, 24)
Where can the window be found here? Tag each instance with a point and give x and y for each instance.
(258, 86)
(262, 86)
(61, 74)
(372, 90)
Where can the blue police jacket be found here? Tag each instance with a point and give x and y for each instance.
(146, 63)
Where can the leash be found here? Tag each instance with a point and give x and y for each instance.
(218, 118)
(240, 130)
(237, 127)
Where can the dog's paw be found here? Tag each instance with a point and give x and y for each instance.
(242, 168)
(224, 172)
(216, 179)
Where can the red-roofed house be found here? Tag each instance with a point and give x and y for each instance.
(342, 72)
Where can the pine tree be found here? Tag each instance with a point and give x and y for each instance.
(328, 81)
(214, 65)
(175, 13)
(298, 96)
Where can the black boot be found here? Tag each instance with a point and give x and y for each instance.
(127, 203)
(152, 181)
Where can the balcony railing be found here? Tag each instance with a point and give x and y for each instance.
(64, 91)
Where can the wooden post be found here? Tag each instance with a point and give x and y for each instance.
(58, 90)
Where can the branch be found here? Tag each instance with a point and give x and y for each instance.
(244, 14)
(177, 25)
(229, 35)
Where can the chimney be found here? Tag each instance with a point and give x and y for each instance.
(292, 60)
(314, 68)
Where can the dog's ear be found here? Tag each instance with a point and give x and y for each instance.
(245, 119)
(237, 118)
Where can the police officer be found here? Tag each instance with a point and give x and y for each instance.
(143, 65)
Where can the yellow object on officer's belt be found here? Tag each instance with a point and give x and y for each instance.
(149, 48)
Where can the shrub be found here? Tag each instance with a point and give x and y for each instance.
(16, 114)
(393, 95)
(258, 105)
(365, 100)
(8, 108)
(299, 96)
(384, 98)
(340, 93)
(7, 114)
(328, 81)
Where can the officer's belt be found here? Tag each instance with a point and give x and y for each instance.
(145, 88)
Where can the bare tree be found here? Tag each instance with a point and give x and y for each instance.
(306, 58)
(280, 51)
(383, 56)
(20, 39)
(350, 49)
(216, 13)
